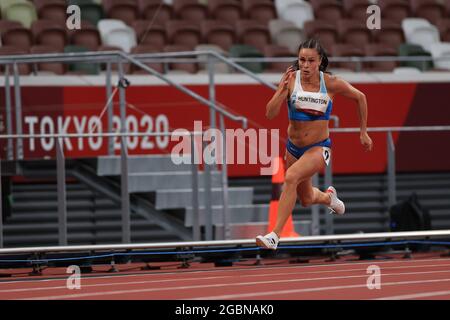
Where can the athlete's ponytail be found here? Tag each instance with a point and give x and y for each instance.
(315, 44)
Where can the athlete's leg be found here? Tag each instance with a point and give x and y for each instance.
(302, 169)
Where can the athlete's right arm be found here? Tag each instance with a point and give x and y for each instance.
(273, 106)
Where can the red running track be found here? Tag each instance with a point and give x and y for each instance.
(424, 276)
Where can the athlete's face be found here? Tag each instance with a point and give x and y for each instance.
(309, 61)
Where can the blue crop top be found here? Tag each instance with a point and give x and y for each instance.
(309, 106)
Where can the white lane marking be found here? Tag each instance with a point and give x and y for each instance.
(239, 269)
(416, 296)
(209, 278)
(281, 292)
(217, 285)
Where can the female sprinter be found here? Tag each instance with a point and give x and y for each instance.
(309, 92)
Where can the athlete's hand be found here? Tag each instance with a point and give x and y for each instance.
(366, 141)
(284, 82)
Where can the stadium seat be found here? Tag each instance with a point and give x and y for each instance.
(259, 10)
(379, 50)
(24, 69)
(253, 33)
(406, 71)
(412, 50)
(395, 10)
(19, 10)
(225, 10)
(117, 33)
(297, 12)
(218, 33)
(432, 10)
(331, 10)
(142, 49)
(51, 10)
(125, 10)
(276, 51)
(246, 51)
(419, 31)
(14, 34)
(81, 67)
(356, 9)
(190, 10)
(48, 32)
(354, 32)
(441, 50)
(149, 33)
(92, 12)
(219, 67)
(390, 34)
(48, 67)
(155, 10)
(347, 50)
(88, 36)
(185, 33)
(444, 29)
(182, 67)
(286, 33)
(323, 31)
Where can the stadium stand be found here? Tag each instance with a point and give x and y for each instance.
(225, 10)
(190, 10)
(49, 32)
(51, 10)
(440, 50)
(259, 10)
(50, 67)
(13, 33)
(117, 33)
(218, 33)
(356, 9)
(419, 31)
(331, 10)
(19, 10)
(286, 33)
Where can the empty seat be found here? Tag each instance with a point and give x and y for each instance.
(441, 50)
(218, 66)
(24, 69)
(297, 12)
(322, 30)
(125, 10)
(155, 10)
(356, 9)
(116, 33)
(379, 50)
(347, 50)
(253, 33)
(51, 67)
(81, 67)
(218, 33)
(142, 49)
(390, 34)
(276, 51)
(226, 10)
(90, 11)
(185, 33)
(395, 10)
(149, 33)
(443, 26)
(286, 33)
(331, 10)
(354, 32)
(14, 34)
(190, 10)
(88, 36)
(19, 10)
(259, 10)
(413, 50)
(51, 10)
(48, 32)
(181, 67)
(246, 51)
(432, 10)
(419, 31)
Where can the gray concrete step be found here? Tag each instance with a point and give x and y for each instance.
(152, 181)
(182, 198)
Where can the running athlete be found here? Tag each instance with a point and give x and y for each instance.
(309, 91)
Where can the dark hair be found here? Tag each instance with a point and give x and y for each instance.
(314, 44)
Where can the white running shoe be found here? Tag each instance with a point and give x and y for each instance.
(336, 206)
(269, 241)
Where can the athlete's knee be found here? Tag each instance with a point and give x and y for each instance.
(291, 179)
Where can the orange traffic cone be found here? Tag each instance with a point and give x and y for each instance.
(277, 184)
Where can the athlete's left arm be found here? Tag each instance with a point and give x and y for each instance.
(342, 87)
